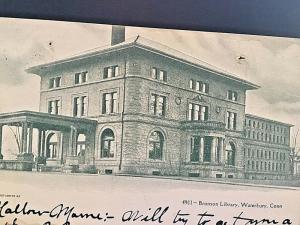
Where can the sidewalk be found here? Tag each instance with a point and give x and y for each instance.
(214, 181)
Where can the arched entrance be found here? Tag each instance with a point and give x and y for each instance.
(230, 154)
(81, 148)
(52, 146)
(107, 144)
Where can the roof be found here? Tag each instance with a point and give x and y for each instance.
(150, 46)
(46, 120)
(268, 120)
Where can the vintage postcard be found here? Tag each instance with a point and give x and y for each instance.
(107, 124)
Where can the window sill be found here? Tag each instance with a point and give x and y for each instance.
(156, 160)
(55, 88)
(111, 78)
(81, 83)
(199, 92)
(107, 159)
(110, 114)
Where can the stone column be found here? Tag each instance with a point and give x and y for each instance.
(1, 156)
(39, 142)
(201, 150)
(189, 149)
(213, 150)
(70, 148)
(224, 153)
(29, 150)
(90, 146)
(43, 143)
(24, 137)
(72, 142)
(221, 150)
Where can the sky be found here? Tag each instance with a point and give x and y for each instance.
(271, 62)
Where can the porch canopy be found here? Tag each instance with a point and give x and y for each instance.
(43, 122)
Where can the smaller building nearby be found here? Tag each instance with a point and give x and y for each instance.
(267, 148)
(296, 166)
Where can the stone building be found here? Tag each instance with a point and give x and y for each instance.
(267, 148)
(143, 108)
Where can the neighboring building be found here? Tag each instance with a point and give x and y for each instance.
(296, 166)
(267, 148)
(140, 107)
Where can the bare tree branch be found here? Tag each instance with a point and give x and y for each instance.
(295, 139)
(16, 136)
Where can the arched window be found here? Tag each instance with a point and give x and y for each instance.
(107, 144)
(156, 145)
(51, 146)
(230, 154)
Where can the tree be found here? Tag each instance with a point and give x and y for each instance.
(17, 136)
(294, 152)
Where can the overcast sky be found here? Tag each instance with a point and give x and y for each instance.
(271, 62)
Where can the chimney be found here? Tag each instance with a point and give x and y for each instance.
(117, 34)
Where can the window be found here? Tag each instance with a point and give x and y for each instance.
(266, 154)
(199, 86)
(158, 74)
(231, 120)
(80, 106)
(158, 105)
(107, 144)
(230, 154)
(207, 149)
(265, 167)
(111, 71)
(110, 103)
(195, 149)
(198, 112)
(81, 78)
(54, 107)
(232, 95)
(55, 82)
(156, 145)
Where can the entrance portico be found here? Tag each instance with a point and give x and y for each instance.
(67, 128)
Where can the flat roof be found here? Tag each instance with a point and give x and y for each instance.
(46, 120)
(268, 120)
(150, 46)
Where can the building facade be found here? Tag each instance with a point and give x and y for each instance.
(142, 108)
(267, 148)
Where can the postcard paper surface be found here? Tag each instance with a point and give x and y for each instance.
(104, 124)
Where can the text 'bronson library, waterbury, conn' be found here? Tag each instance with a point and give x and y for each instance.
(140, 107)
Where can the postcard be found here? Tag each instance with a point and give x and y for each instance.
(112, 124)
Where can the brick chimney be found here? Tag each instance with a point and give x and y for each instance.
(117, 34)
